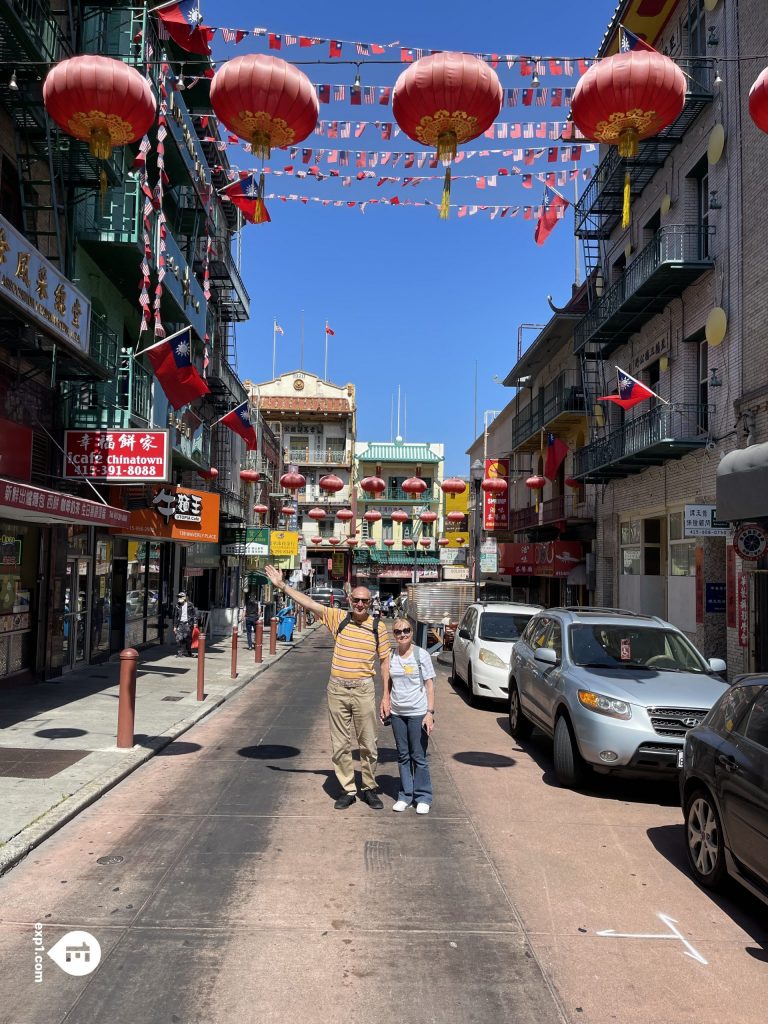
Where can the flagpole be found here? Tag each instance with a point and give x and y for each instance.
(619, 372)
(325, 364)
(301, 343)
(274, 345)
(162, 341)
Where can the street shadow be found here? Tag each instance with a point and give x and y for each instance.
(484, 759)
(60, 734)
(268, 751)
(746, 910)
(662, 792)
(477, 703)
(330, 783)
(179, 747)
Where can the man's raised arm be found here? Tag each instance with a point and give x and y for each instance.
(276, 579)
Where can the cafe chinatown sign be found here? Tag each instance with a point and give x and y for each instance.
(119, 456)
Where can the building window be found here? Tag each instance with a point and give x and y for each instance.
(682, 553)
(696, 29)
(631, 549)
(325, 528)
(335, 449)
(641, 547)
(386, 529)
(700, 177)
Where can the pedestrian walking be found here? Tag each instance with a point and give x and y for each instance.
(409, 704)
(252, 613)
(360, 642)
(184, 619)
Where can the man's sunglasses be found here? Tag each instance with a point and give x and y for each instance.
(360, 600)
(401, 632)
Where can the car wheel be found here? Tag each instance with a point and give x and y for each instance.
(704, 839)
(455, 677)
(569, 766)
(471, 696)
(520, 726)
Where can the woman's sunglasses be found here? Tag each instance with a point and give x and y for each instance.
(401, 632)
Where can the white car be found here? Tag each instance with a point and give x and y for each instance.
(483, 644)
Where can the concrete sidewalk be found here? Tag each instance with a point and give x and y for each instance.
(58, 739)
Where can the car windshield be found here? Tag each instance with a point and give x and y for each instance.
(502, 625)
(602, 645)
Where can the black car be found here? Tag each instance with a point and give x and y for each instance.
(323, 595)
(724, 789)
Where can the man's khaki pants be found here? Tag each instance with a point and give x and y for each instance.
(353, 707)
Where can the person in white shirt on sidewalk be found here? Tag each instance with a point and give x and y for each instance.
(409, 703)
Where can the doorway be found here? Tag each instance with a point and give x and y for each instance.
(77, 613)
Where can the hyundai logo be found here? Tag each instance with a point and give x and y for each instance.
(690, 723)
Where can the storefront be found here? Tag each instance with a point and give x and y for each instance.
(543, 570)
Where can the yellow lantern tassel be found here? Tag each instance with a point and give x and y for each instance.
(445, 205)
(260, 214)
(625, 215)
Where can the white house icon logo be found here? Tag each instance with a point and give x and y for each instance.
(76, 953)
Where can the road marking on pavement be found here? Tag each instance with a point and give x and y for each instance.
(673, 933)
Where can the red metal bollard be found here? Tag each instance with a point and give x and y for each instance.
(201, 667)
(273, 635)
(259, 644)
(233, 669)
(299, 619)
(126, 707)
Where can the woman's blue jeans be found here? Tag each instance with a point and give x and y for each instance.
(411, 742)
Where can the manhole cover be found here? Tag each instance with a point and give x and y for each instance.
(113, 858)
(171, 698)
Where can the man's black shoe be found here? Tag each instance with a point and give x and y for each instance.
(370, 797)
(344, 801)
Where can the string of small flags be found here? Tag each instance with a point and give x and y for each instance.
(369, 95)
(482, 181)
(528, 212)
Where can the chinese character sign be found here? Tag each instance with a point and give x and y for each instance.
(120, 456)
(496, 505)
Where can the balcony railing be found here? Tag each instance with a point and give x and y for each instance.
(564, 394)
(672, 260)
(662, 433)
(396, 494)
(112, 404)
(309, 457)
(180, 282)
(34, 30)
(524, 519)
(115, 217)
(103, 343)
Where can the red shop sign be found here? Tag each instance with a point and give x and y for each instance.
(551, 558)
(120, 456)
(496, 506)
(742, 608)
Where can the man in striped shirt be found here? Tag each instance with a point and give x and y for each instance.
(360, 642)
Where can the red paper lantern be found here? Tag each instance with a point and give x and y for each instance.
(370, 542)
(372, 516)
(287, 510)
(428, 517)
(334, 540)
(99, 100)
(352, 542)
(373, 485)
(414, 485)
(330, 483)
(494, 485)
(208, 474)
(460, 542)
(345, 514)
(317, 540)
(456, 517)
(260, 510)
(292, 481)
(407, 542)
(443, 542)
(626, 98)
(250, 476)
(444, 100)
(572, 482)
(453, 485)
(425, 542)
(758, 101)
(389, 542)
(399, 516)
(317, 514)
(536, 483)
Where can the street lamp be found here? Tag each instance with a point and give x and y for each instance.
(476, 472)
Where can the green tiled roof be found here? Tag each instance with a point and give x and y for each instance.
(379, 556)
(398, 453)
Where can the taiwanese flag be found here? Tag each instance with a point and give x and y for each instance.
(239, 421)
(248, 195)
(629, 41)
(556, 452)
(329, 331)
(553, 203)
(183, 23)
(631, 391)
(334, 48)
(173, 368)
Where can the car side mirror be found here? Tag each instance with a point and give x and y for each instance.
(464, 634)
(545, 655)
(717, 665)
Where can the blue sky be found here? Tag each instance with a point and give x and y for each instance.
(413, 300)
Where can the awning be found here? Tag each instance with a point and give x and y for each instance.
(37, 505)
(742, 484)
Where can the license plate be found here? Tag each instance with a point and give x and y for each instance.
(680, 758)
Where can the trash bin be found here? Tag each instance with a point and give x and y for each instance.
(269, 611)
(285, 623)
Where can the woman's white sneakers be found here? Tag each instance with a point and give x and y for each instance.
(422, 808)
(400, 805)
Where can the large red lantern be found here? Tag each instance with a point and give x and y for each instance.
(456, 517)
(250, 476)
(317, 540)
(536, 483)
(99, 100)
(370, 542)
(330, 484)
(399, 516)
(334, 540)
(389, 542)
(626, 98)
(453, 485)
(372, 516)
(292, 481)
(260, 510)
(758, 101)
(444, 100)
(428, 517)
(443, 542)
(287, 510)
(408, 542)
(317, 514)
(345, 514)
(352, 542)
(425, 542)
(373, 485)
(208, 474)
(494, 485)
(414, 485)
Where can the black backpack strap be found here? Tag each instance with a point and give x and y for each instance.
(344, 623)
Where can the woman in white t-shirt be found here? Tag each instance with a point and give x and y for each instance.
(409, 700)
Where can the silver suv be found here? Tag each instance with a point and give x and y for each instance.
(616, 691)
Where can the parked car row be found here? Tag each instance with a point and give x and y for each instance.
(629, 694)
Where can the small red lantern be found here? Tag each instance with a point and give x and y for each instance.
(287, 510)
(408, 542)
(370, 542)
(99, 100)
(389, 542)
(317, 540)
(250, 476)
(453, 485)
(460, 542)
(414, 485)
(345, 514)
(495, 485)
(330, 484)
(444, 100)
(536, 483)
(425, 542)
(626, 98)
(352, 542)
(334, 540)
(372, 516)
(572, 482)
(456, 517)
(260, 510)
(399, 516)
(758, 101)
(292, 481)
(208, 474)
(373, 485)
(317, 514)
(443, 542)
(428, 517)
